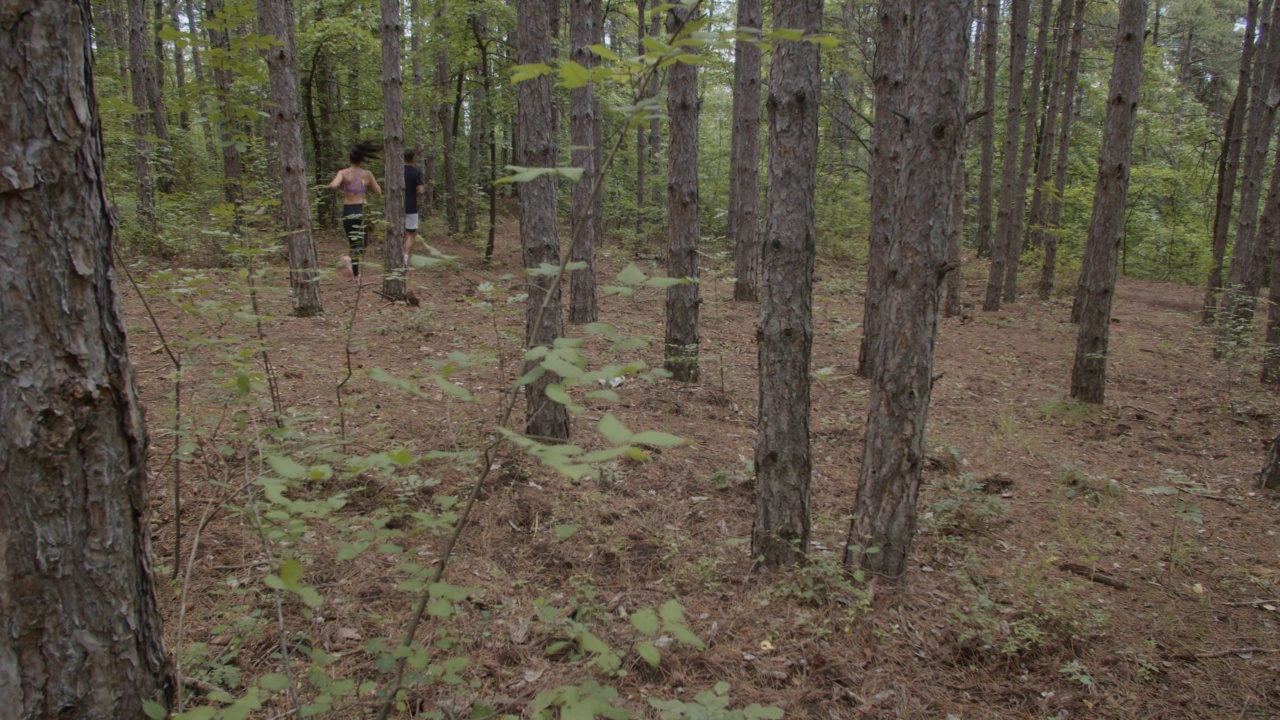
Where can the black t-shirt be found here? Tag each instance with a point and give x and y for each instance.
(412, 181)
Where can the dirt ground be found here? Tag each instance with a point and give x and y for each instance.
(1072, 562)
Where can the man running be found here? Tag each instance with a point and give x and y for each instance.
(413, 183)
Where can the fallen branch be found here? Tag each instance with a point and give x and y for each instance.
(202, 686)
(1192, 657)
(1089, 573)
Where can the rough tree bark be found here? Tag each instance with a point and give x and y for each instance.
(587, 137)
(139, 72)
(393, 277)
(683, 222)
(81, 629)
(1229, 167)
(889, 80)
(783, 461)
(641, 168)
(545, 419)
(1106, 228)
(282, 67)
(475, 138)
(419, 104)
(986, 178)
(1001, 252)
(893, 454)
(1039, 213)
(444, 113)
(744, 154)
(1069, 90)
(179, 69)
(1269, 241)
(155, 100)
(1243, 274)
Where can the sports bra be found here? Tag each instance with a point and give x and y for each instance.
(354, 187)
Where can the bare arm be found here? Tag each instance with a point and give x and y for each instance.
(373, 181)
(336, 181)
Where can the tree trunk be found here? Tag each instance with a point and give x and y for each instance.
(276, 17)
(545, 418)
(1229, 167)
(784, 462)
(475, 136)
(1243, 275)
(1016, 242)
(1006, 246)
(118, 19)
(952, 306)
(419, 105)
(155, 100)
(744, 155)
(393, 257)
(683, 221)
(890, 78)
(1039, 214)
(641, 168)
(1271, 470)
(586, 136)
(232, 169)
(1269, 241)
(179, 69)
(445, 114)
(987, 177)
(884, 515)
(1069, 90)
(1106, 228)
(82, 636)
(139, 74)
(480, 27)
(655, 121)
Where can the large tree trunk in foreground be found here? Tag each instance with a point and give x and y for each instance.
(282, 66)
(81, 630)
(744, 156)
(1005, 246)
(784, 462)
(683, 222)
(890, 87)
(1229, 167)
(986, 178)
(884, 516)
(393, 258)
(1049, 269)
(545, 418)
(1106, 228)
(587, 136)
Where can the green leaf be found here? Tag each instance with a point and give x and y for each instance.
(721, 688)
(573, 75)
(672, 612)
(824, 41)
(604, 52)
(168, 34)
(154, 710)
(646, 621)
(454, 389)
(286, 467)
(631, 275)
(759, 712)
(573, 173)
(291, 573)
(607, 395)
(613, 430)
(786, 34)
(649, 653)
(275, 682)
(520, 73)
(658, 439)
(524, 175)
(274, 582)
(566, 531)
(592, 644)
(440, 607)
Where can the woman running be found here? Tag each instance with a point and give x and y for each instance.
(355, 183)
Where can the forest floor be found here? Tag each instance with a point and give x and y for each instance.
(1114, 562)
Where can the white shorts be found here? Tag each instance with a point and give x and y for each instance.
(410, 222)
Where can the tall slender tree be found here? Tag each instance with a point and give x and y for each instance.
(1017, 241)
(393, 257)
(220, 42)
(642, 168)
(1069, 90)
(139, 72)
(1229, 165)
(82, 635)
(889, 80)
(744, 153)
(784, 462)
(545, 419)
(683, 222)
(587, 137)
(1106, 228)
(1038, 216)
(1006, 246)
(179, 69)
(884, 516)
(276, 17)
(986, 177)
(445, 117)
